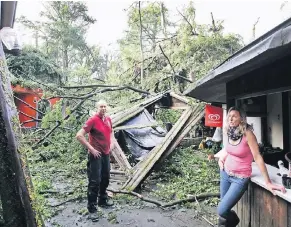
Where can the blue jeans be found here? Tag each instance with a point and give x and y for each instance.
(231, 190)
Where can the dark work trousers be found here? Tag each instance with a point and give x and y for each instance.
(98, 170)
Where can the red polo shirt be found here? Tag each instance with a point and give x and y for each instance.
(99, 132)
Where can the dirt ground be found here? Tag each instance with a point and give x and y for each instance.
(127, 216)
(125, 213)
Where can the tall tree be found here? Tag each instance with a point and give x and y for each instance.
(14, 190)
(63, 31)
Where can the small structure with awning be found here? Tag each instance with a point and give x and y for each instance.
(257, 79)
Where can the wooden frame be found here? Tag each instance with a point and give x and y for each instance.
(190, 116)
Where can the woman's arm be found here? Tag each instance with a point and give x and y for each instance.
(253, 144)
(221, 155)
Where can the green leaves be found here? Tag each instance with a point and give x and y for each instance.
(187, 173)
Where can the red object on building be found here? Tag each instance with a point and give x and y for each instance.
(31, 97)
(213, 116)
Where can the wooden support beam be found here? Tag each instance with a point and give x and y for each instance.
(120, 157)
(145, 166)
(135, 127)
(198, 113)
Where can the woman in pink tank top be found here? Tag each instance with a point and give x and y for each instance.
(236, 166)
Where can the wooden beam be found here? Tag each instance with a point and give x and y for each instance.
(134, 127)
(145, 166)
(196, 116)
(120, 157)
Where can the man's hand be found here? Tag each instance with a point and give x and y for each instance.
(95, 153)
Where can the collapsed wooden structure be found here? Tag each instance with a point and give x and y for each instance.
(192, 114)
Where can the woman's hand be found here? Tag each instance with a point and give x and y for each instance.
(272, 187)
(221, 163)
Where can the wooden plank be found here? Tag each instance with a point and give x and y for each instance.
(255, 219)
(249, 206)
(279, 211)
(135, 126)
(154, 155)
(120, 157)
(266, 218)
(198, 113)
(123, 115)
(288, 214)
(244, 209)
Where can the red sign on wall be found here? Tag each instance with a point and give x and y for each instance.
(213, 116)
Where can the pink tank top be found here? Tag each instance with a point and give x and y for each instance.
(239, 159)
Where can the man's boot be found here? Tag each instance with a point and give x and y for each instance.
(233, 219)
(93, 212)
(104, 201)
(222, 222)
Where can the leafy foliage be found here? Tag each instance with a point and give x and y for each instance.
(187, 172)
(33, 65)
(192, 49)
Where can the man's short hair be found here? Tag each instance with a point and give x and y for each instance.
(101, 102)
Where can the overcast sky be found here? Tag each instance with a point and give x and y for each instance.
(238, 15)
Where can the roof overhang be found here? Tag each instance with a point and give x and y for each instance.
(267, 49)
(8, 11)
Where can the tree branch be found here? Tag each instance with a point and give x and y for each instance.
(254, 27)
(184, 78)
(190, 25)
(84, 98)
(31, 107)
(136, 195)
(104, 90)
(29, 116)
(167, 59)
(29, 121)
(89, 86)
(213, 23)
(192, 199)
(159, 204)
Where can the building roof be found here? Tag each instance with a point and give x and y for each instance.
(268, 48)
(8, 11)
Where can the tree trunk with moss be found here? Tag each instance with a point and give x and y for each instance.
(14, 191)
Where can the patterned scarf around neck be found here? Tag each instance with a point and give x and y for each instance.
(234, 133)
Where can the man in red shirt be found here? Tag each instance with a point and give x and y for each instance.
(99, 128)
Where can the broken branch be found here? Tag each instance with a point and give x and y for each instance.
(90, 86)
(159, 204)
(190, 25)
(136, 195)
(34, 119)
(192, 199)
(167, 59)
(31, 107)
(213, 23)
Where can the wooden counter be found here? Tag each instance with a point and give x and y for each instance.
(260, 208)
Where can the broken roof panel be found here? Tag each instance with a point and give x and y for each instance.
(270, 47)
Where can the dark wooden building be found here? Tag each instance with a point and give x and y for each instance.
(258, 79)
